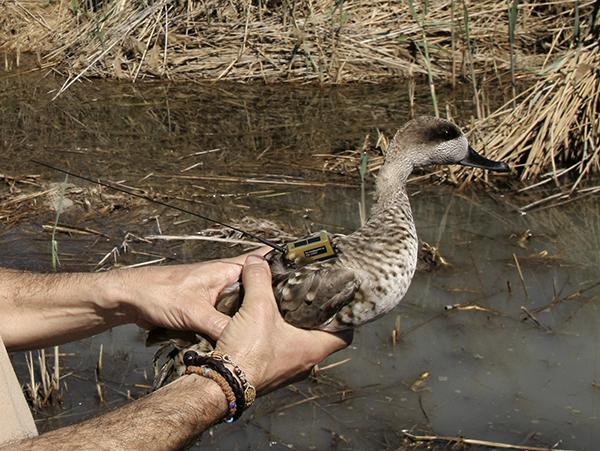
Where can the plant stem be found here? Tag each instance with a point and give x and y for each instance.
(471, 59)
(512, 25)
(425, 53)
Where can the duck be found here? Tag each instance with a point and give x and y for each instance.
(371, 269)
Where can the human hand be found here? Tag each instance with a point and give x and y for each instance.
(269, 350)
(181, 297)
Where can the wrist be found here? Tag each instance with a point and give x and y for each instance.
(253, 369)
(239, 391)
(202, 397)
(114, 296)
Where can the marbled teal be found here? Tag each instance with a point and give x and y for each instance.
(373, 266)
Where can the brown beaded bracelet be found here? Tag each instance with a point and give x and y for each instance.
(193, 359)
(249, 390)
(209, 373)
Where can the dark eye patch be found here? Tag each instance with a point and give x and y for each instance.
(441, 131)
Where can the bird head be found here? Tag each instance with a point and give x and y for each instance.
(428, 140)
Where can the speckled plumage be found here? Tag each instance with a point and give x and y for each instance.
(374, 265)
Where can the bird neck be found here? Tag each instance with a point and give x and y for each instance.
(391, 183)
(394, 174)
(391, 200)
(388, 233)
(390, 211)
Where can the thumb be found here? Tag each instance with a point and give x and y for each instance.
(241, 259)
(212, 323)
(256, 277)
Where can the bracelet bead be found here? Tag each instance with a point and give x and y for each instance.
(209, 373)
(239, 392)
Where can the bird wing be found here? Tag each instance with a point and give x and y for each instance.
(312, 295)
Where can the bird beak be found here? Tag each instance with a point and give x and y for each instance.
(475, 160)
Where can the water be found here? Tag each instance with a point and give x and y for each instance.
(495, 373)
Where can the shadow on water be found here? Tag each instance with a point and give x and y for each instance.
(511, 359)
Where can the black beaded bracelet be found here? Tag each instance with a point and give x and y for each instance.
(192, 358)
(247, 387)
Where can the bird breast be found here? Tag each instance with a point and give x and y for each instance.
(383, 255)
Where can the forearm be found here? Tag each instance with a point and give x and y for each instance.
(39, 310)
(169, 418)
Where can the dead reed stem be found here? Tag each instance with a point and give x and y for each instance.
(323, 42)
(46, 389)
(468, 441)
(548, 131)
(555, 124)
(100, 387)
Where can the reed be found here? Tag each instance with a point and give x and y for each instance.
(420, 19)
(43, 385)
(100, 386)
(453, 42)
(411, 87)
(324, 42)
(32, 386)
(550, 127)
(47, 391)
(363, 170)
(512, 26)
(59, 204)
(555, 124)
(471, 57)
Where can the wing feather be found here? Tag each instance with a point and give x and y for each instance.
(310, 298)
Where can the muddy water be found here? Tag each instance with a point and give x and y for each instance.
(493, 372)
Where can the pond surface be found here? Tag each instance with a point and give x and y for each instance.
(507, 333)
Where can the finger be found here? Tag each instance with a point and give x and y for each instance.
(241, 259)
(328, 343)
(212, 324)
(226, 274)
(256, 277)
(232, 267)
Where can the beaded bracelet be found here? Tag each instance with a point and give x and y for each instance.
(233, 383)
(194, 360)
(249, 390)
(220, 380)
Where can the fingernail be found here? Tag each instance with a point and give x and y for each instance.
(254, 259)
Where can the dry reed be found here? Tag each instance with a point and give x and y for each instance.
(47, 390)
(327, 41)
(556, 123)
(551, 129)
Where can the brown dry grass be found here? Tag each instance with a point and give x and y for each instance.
(555, 127)
(328, 41)
(550, 128)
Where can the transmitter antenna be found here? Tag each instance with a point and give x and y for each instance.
(164, 204)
